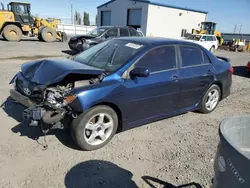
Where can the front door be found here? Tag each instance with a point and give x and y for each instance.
(196, 75)
(158, 94)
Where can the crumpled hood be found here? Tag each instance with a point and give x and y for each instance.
(50, 71)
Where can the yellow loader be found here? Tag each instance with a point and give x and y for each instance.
(17, 21)
(209, 28)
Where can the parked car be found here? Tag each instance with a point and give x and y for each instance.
(209, 42)
(120, 84)
(80, 43)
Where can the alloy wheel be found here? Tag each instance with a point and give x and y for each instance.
(98, 129)
(212, 99)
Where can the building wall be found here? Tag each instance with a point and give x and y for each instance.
(167, 22)
(118, 10)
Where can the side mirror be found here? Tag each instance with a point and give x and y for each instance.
(202, 40)
(139, 72)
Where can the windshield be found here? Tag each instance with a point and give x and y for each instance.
(109, 55)
(194, 37)
(97, 32)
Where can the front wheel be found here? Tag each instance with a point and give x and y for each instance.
(211, 99)
(94, 128)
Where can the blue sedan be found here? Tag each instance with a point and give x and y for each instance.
(120, 84)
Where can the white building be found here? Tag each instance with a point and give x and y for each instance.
(154, 19)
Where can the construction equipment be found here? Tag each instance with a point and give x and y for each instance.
(17, 21)
(209, 28)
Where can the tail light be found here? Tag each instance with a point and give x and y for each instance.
(231, 70)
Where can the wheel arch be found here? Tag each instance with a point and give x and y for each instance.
(218, 83)
(18, 24)
(116, 109)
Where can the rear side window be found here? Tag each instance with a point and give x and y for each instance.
(191, 56)
(159, 59)
(209, 38)
(124, 32)
(133, 32)
(214, 38)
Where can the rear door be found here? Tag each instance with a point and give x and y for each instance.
(157, 94)
(196, 75)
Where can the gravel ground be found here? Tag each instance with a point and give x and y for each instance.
(175, 151)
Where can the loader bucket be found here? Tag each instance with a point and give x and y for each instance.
(232, 161)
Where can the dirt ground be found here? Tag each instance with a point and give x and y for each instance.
(170, 153)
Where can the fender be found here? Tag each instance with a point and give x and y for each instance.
(18, 24)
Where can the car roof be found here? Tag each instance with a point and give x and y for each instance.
(156, 41)
(107, 27)
(203, 34)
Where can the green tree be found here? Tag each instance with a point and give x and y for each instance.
(86, 18)
(77, 18)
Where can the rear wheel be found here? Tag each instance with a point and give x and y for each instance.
(48, 34)
(212, 49)
(64, 37)
(12, 33)
(94, 128)
(210, 99)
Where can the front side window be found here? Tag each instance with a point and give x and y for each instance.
(204, 38)
(112, 32)
(194, 37)
(97, 32)
(191, 56)
(209, 38)
(159, 59)
(22, 9)
(110, 55)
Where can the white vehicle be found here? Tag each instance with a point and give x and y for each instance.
(209, 42)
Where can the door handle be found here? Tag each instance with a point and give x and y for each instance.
(175, 78)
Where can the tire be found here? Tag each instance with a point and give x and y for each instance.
(12, 33)
(204, 103)
(64, 37)
(48, 34)
(212, 49)
(79, 128)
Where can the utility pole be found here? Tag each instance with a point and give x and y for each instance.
(72, 17)
(235, 28)
(240, 29)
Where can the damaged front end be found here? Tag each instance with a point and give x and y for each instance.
(48, 105)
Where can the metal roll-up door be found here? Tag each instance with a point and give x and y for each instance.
(105, 18)
(134, 17)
